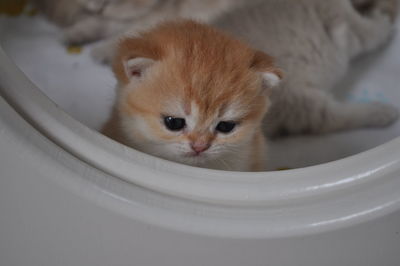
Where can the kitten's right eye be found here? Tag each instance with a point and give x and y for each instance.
(174, 123)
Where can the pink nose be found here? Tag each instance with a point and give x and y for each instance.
(199, 147)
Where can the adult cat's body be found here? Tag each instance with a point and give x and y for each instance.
(313, 41)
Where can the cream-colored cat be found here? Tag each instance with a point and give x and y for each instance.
(190, 94)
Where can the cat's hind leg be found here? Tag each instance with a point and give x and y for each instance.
(315, 111)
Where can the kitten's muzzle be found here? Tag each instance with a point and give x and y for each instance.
(199, 147)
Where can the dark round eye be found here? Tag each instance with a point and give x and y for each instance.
(174, 123)
(225, 126)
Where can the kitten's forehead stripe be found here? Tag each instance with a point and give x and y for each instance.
(193, 118)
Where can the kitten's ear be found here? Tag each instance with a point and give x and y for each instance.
(135, 68)
(133, 57)
(264, 64)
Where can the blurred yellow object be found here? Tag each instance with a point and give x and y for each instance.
(12, 7)
(283, 168)
(73, 49)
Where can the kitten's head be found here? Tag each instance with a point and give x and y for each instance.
(190, 93)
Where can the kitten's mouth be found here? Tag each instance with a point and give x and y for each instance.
(196, 159)
(194, 155)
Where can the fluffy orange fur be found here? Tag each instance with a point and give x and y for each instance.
(205, 72)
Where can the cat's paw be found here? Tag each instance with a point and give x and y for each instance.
(381, 115)
(102, 53)
(75, 36)
(82, 32)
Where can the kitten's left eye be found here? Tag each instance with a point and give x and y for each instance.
(174, 123)
(225, 126)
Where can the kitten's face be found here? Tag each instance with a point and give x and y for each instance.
(192, 117)
(191, 94)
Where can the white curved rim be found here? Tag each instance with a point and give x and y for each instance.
(356, 177)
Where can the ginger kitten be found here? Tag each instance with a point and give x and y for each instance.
(191, 94)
